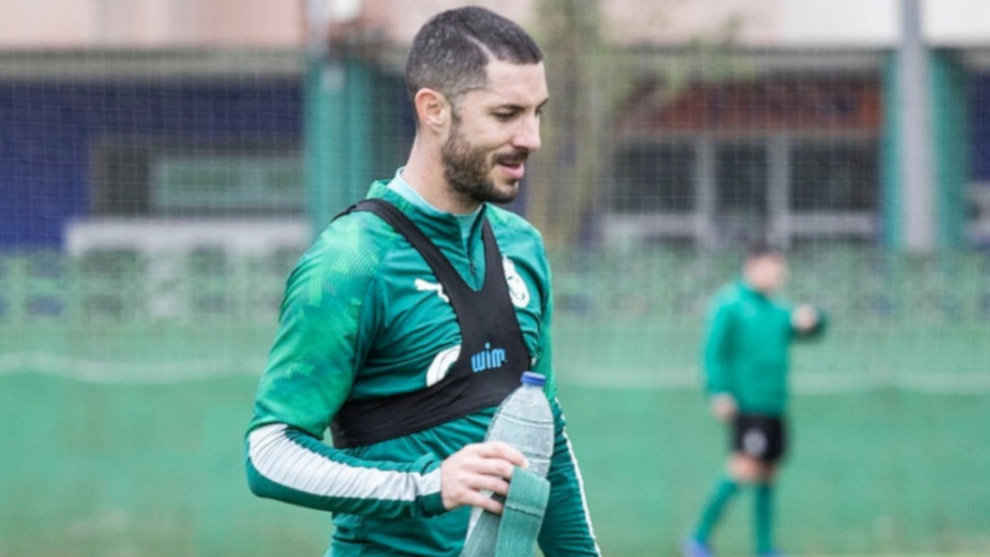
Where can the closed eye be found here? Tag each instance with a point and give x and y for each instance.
(541, 107)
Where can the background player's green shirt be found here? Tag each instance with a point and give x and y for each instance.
(746, 348)
(363, 316)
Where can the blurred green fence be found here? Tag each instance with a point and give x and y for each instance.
(899, 318)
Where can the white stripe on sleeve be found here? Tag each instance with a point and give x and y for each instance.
(580, 482)
(282, 461)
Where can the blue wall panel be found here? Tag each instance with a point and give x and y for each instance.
(980, 126)
(48, 128)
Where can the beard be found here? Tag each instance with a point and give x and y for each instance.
(467, 169)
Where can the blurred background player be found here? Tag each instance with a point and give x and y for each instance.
(746, 365)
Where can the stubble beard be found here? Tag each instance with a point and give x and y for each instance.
(467, 169)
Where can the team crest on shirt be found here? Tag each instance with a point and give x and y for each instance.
(518, 291)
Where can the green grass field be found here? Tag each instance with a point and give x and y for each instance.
(150, 463)
(131, 469)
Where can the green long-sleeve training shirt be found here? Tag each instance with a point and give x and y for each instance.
(746, 348)
(363, 316)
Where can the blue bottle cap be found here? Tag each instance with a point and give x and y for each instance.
(530, 378)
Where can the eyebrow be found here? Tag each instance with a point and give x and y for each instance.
(520, 107)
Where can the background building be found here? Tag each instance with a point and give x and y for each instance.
(784, 71)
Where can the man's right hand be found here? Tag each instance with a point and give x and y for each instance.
(476, 468)
(804, 318)
(724, 406)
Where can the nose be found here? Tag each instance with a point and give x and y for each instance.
(528, 135)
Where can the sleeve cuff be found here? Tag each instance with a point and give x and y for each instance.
(432, 504)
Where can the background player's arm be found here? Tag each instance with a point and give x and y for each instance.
(808, 321)
(567, 526)
(717, 351)
(324, 325)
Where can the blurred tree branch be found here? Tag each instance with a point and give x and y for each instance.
(565, 181)
(589, 80)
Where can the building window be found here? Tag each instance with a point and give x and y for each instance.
(741, 179)
(654, 178)
(834, 176)
(203, 179)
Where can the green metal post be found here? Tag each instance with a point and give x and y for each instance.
(950, 152)
(355, 137)
(337, 136)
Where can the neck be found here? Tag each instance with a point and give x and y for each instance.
(764, 291)
(424, 173)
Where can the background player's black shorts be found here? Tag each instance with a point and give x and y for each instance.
(761, 437)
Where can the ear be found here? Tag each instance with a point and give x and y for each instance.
(432, 109)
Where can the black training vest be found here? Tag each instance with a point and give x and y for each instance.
(492, 359)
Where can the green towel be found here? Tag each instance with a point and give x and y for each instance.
(514, 533)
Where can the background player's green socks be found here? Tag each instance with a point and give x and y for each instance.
(763, 518)
(724, 490)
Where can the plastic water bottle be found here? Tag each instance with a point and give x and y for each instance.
(525, 421)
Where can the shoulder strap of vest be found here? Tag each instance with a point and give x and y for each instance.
(403, 225)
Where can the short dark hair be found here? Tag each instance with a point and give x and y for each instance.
(450, 52)
(758, 249)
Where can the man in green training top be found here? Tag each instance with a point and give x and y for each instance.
(746, 364)
(415, 313)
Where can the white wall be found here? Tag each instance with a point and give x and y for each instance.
(957, 22)
(845, 22)
(162, 23)
(860, 23)
(149, 23)
(877, 22)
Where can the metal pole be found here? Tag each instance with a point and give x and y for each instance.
(705, 232)
(779, 192)
(317, 29)
(918, 186)
(323, 86)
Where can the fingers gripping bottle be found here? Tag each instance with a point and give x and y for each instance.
(525, 421)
